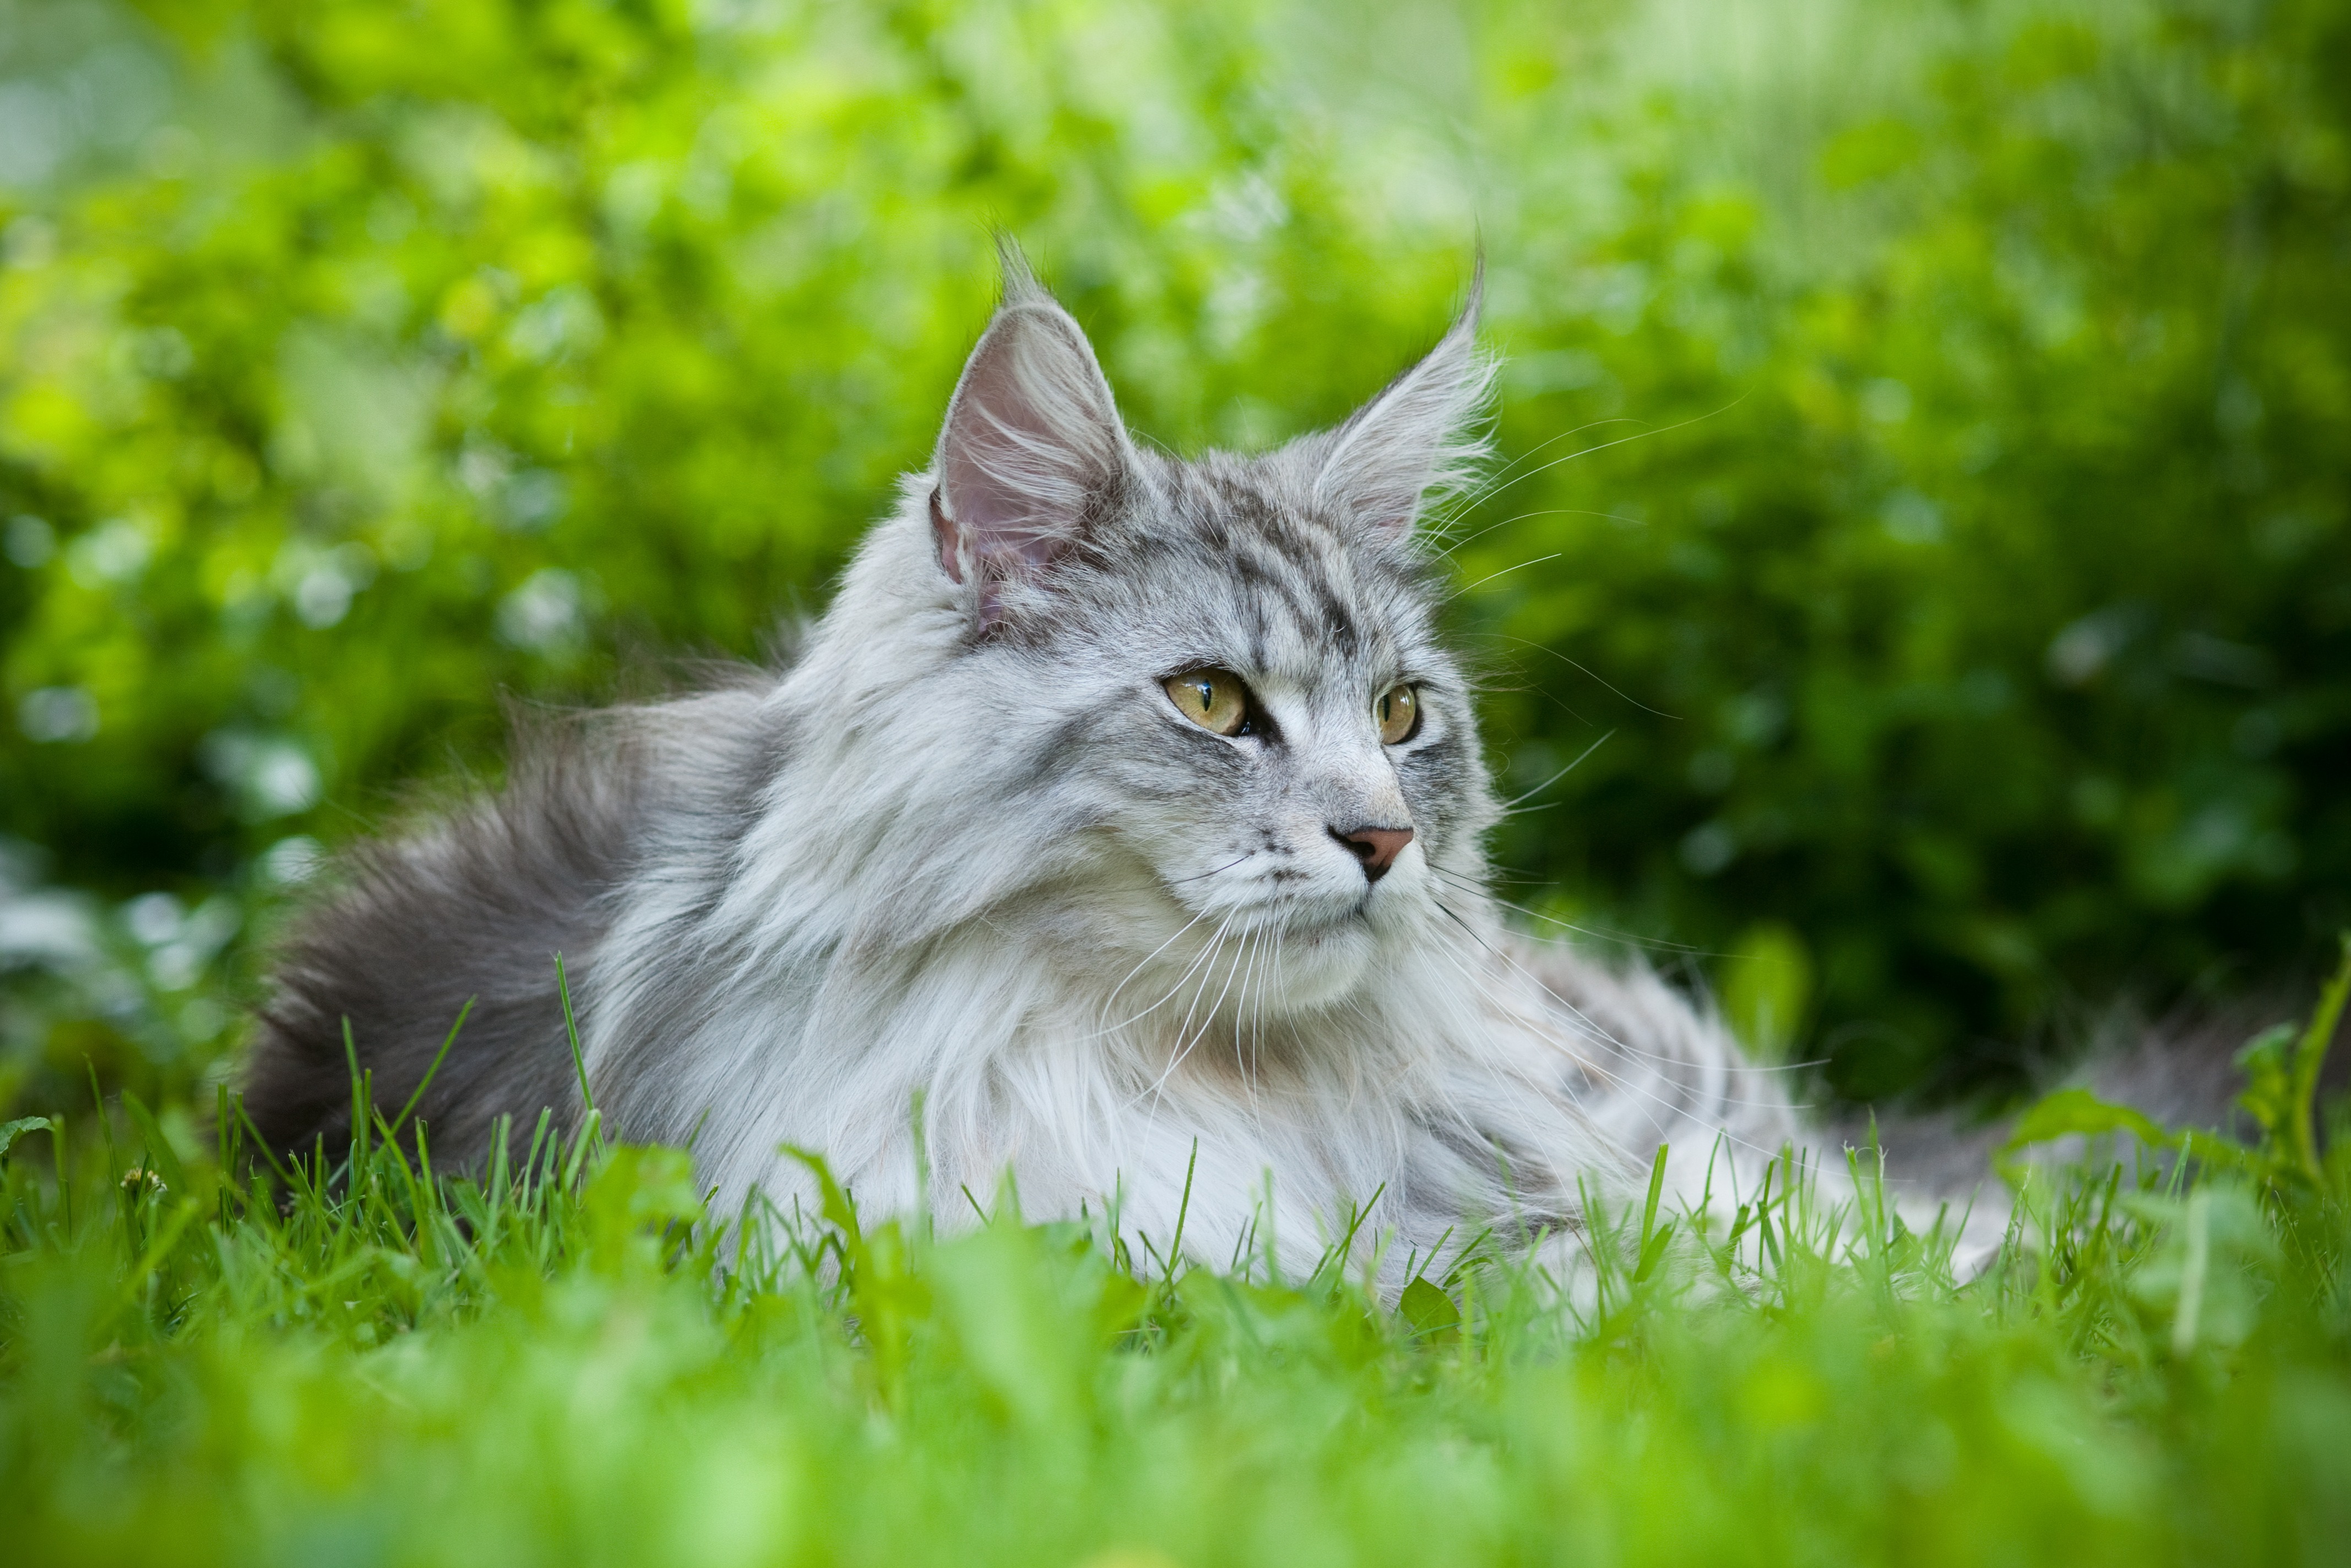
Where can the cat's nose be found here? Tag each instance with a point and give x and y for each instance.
(1376, 847)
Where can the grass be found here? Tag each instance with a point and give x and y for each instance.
(206, 1358)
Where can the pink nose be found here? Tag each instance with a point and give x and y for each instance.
(1376, 847)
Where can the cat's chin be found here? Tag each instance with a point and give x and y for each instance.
(1318, 967)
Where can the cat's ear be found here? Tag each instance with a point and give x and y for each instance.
(1420, 436)
(1033, 445)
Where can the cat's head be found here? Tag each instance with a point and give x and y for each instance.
(1250, 706)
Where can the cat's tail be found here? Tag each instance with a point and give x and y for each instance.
(2180, 1071)
(461, 919)
(1661, 1069)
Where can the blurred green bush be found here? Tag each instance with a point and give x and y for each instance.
(1928, 435)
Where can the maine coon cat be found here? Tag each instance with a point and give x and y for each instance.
(1120, 819)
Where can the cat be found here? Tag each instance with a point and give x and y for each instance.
(1117, 832)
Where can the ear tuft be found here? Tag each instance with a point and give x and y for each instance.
(1419, 437)
(1016, 280)
(1031, 447)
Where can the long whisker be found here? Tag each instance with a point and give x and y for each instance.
(1494, 490)
(1582, 669)
(1627, 1046)
(1207, 950)
(1144, 961)
(1268, 966)
(1152, 1091)
(1242, 1020)
(1186, 1038)
(1471, 500)
(1511, 805)
(1175, 881)
(1467, 539)
(1505, 572)
(1605, 1036)
(1599, 933)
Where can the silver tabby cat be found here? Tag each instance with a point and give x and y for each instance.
(1119, 809)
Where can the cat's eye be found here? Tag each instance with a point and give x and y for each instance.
(1213, 699)
(1398, 710)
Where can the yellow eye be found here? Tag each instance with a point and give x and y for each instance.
(1213, 699)
(1397, 710)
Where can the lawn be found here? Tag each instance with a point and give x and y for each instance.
(207, 1357)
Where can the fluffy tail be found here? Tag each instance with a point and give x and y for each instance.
(410, 931)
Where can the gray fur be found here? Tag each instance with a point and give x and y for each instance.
(470, 910)
(966, 854)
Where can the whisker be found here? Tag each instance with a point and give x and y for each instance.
(1509, 806)
(1603, 446)
(1469, 500)
(1177, 881)
(1619, 1044)
(1599, 933)
(1186, 1038)
(1605, 1036)
(1241, 1020)
(1469, 539)
(1505, 572)
(1207, 951)
(1580, 668)
(1146, 958)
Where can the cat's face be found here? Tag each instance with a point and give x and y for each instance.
(1238, 656)
(1252, 690)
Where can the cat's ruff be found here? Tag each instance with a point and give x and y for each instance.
(966, 858)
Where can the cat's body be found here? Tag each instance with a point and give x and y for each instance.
(972, 859)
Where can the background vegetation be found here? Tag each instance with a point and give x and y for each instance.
(1928, 428)
(1927, 432)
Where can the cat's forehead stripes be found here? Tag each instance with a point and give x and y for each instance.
(1229, 542)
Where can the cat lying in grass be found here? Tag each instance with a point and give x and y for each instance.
(1117, 829)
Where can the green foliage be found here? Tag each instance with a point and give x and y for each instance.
(1996, 583)
(1926, 434)
(2282, 1071)
(209, 1360)
(2282, 1066)
(2072, 1112)
(1767, 987)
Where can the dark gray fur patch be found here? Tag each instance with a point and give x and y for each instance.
(407, 931)
(1436, 775)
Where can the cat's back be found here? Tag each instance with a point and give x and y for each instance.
(470, 904)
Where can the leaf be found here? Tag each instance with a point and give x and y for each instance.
(1012, 1310)
(2266, 1062)
(2070, 1111)
(837, 1207)
(2310, 1058)
(1430, 1310)
(640, 1195)
(11, 1131)
(2282, 1066)
(1653, 1252)
(1766, 990)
